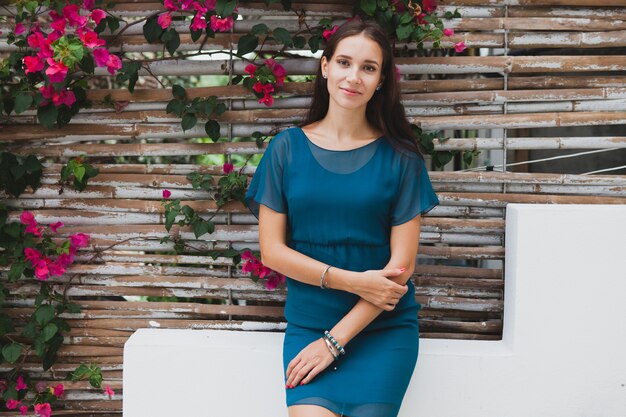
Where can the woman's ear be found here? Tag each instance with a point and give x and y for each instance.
(324, 65)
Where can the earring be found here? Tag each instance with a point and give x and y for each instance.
(324, 76)
(379, 87)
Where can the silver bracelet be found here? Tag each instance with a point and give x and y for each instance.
(331, 348)
(322, 284)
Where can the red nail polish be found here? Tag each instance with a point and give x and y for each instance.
(301, 383)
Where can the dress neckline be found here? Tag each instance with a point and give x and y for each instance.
(338, 150)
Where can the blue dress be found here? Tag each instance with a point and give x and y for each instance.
(340, 207)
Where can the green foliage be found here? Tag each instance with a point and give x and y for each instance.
(77, 172)
(17, 173)
(441, 158)
(190, 111)
(92, 373)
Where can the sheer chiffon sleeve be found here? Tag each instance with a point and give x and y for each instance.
(267, 184)
(415, 194)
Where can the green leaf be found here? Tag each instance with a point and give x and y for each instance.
(247, 43)
(200, 228)
(282, 36)
(12, 352)
(404, 31)
(95, 379)
(170, 218)
(173, 42)
(368, 6)
(49, 331)
(22, 102)
(225, 8)
(179, 92)
(16, 271)
(152, 30)
(195, 35)
(189, 121)
(114, 23)
(299, 42)
(6, 325)
(176, 107)
(79, 173)
(212, 128)
(259, 29)
(314, 43)
(50, 355)
(44, 314)
(47, 115)
(73, 308)
(187, 211)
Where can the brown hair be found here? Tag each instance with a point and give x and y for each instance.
(384, 110)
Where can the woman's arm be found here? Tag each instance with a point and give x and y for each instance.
(404, 246)
(275, 254)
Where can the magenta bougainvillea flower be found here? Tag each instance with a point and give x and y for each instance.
(253, 265)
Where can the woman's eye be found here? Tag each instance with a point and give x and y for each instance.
(370, 68)
(343, 62)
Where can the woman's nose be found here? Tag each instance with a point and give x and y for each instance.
(353, 75)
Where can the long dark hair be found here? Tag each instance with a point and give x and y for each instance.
(384, 110)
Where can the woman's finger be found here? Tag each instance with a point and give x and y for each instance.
(292, 364)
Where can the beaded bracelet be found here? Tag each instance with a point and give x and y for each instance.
(334, 342)
(324, 285)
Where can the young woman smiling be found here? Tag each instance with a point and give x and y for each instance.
(339, 202)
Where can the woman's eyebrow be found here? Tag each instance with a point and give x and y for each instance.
(367, 60)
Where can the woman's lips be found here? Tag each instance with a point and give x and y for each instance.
(350, 92)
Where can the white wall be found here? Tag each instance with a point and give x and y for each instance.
(562, 352)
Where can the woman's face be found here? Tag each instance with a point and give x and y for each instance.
(353, 72)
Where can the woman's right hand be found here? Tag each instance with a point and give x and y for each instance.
(375, 287)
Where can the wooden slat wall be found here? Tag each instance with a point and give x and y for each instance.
(459, 277)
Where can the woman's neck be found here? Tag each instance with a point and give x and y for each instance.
(346, 125)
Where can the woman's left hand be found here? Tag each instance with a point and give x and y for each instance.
(311, 360)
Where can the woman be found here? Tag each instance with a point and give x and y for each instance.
(339, 203)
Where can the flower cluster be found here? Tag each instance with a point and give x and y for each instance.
(45, 266)
(45, 393)
(253, 264)
(61, 45)
(265, 78)
(199, 9)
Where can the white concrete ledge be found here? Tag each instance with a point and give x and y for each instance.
(562, 352)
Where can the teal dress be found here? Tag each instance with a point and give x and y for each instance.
(340, 208)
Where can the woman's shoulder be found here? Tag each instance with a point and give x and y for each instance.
(403, 152)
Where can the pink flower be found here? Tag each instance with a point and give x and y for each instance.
(90, 38)
(33, 64)
(221, 25)
(460, 46)
(12, 404)
(277, 69)
(58, 22)
(33, 255)
(250, 69)
(399, 6)
(198, 23)
(71, 13)
(23, 410)
(41, 386)
(166, 193)
(329, 32)
(56, 71)
(27, 217)
(19, 29)
(258, 87)
(109, 391)
(66, 97)
(113, 63)
(33, 229)
(169, 5)
(41, 269)
(55, 226)
(20, 385)
(56, 269)
(429, 5)
(58, 390)
(274, 281)
(47, 91)
(80, 240)
(420, 18)
(97, 15)
(165, 20)
(88, 4)
(35, 40)
(228, 168)
(268, 100)
(448, 32)
(65, 259)
(101, 57)
(43, 410)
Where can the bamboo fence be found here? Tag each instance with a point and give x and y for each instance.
(459, 278)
